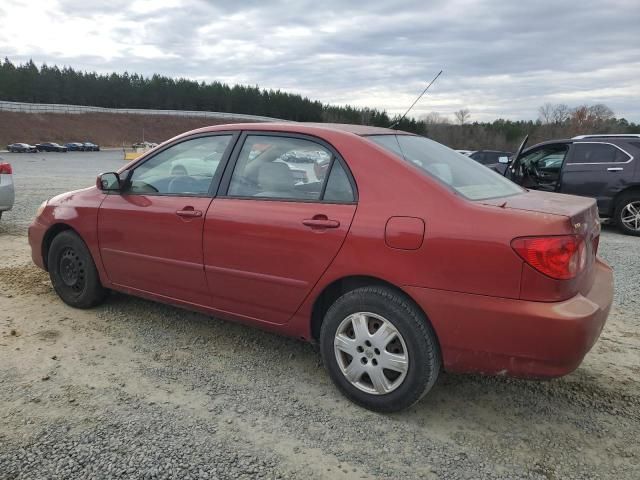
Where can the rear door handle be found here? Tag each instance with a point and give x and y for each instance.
(320, 221)
(615, 169)
(189, 212)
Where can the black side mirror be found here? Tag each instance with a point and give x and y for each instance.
(109, 182)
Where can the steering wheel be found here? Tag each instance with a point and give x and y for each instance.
(533, 168)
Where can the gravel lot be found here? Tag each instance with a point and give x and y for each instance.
(135, 389)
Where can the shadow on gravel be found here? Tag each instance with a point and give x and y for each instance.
(171, 328)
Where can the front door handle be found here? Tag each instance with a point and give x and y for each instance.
(320, 221)
(189, 212)
(615, 169)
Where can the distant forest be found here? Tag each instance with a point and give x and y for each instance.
(50, 84)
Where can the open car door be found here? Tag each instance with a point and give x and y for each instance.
(511, 172)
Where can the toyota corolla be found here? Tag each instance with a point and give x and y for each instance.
(399, 257)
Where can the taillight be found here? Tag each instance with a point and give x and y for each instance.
(560, 257)
(6, 168)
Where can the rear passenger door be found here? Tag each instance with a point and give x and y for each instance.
(271, 233)
(596, 169)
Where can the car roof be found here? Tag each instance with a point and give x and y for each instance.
(586, 139)
(307, 127)
(607, 135)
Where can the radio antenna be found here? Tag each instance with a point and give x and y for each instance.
(395, 124)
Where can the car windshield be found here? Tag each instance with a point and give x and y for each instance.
(464, 175)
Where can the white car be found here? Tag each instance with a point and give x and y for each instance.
(7, 194)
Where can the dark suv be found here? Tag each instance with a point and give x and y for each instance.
(600, 166)
(488, 157)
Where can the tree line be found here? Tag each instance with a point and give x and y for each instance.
(50, 84)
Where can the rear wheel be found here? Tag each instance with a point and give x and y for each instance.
(628, 213)
(379, 349)
(73, 273)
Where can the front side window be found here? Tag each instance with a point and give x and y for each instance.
(187, 168)
(597, 153)
(280, 167)
(466, 176)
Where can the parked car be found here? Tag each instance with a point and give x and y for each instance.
(400, 259)
(489, 157)
(604, 167)
(91, 147)
(7, 194)
(465, 152)
(50, 147)
(144, 145)
(21, 148)
(75, 147)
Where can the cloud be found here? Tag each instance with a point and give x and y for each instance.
(501, 58)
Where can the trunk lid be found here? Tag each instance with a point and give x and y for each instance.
(580, 210)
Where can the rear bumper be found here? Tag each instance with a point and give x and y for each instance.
(490, 335)
(36, 236)
(7, 193)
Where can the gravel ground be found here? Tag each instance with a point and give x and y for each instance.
(134, 389)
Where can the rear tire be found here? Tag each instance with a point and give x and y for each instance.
(627, 214)
(395, 350)
(73, 273)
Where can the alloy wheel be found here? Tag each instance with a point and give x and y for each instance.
(371, 353)
(630, 216)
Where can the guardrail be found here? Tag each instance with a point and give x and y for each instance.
(76, 109)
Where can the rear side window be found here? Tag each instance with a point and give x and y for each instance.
(466, 176)
(339, 187)
(597, 153)
(280, 167)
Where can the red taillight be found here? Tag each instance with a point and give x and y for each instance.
(6, 168)
(560, 257)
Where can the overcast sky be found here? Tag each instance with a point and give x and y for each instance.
(501, 58)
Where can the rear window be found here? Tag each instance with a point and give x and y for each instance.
(466, 176)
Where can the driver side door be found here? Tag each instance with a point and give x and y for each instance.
(150, 234)
(539, 169)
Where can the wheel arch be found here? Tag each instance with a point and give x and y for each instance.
(339, 287)
(630, 189)
(51, 233)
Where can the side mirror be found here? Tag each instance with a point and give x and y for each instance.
(108, 182)
(503, 160)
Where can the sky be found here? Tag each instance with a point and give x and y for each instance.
(501, 58)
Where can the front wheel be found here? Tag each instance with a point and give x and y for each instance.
(379, 349)
(73, 274)
(628, 214)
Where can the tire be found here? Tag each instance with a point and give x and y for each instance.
(627, 206)
(409, 336)
(73, 272)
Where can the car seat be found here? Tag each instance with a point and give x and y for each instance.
(275, 179)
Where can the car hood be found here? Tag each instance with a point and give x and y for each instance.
(63, 198)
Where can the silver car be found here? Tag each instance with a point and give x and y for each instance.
(7, 195)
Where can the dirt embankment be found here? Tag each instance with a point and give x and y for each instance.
(106, 129)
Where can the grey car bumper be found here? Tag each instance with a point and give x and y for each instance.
(7, 194)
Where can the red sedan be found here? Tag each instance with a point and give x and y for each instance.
(399, 256)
